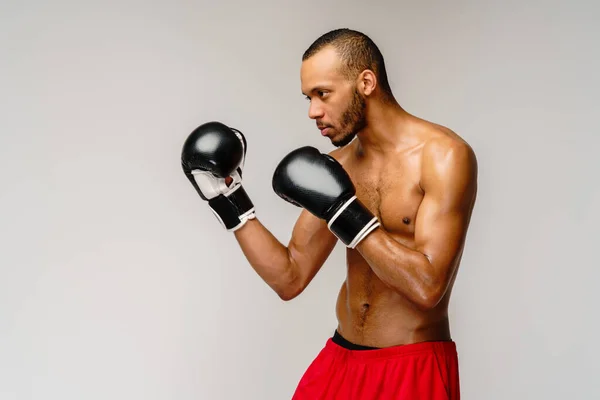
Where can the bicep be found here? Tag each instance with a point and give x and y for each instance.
(310, 245)
(440, 231)
(450, 184)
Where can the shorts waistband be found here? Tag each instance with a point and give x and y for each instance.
(343, 342)
(390, 352)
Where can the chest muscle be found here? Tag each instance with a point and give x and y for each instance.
(392, 194)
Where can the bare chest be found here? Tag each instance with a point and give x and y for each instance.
(392, 193)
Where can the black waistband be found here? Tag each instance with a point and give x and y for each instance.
(341, 341)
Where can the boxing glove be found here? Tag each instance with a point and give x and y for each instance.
(319, 184)
(212, 158)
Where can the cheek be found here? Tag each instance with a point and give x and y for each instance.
(335, 115)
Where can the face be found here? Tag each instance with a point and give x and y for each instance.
(336, 104)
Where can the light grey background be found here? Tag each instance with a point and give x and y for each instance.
(116, 281)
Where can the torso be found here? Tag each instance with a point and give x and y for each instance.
(369, 312)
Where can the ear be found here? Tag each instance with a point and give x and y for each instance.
(367, 82)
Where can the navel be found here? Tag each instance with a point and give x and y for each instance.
(363, 314)
(406, 220)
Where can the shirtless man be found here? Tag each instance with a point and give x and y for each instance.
(398, 192)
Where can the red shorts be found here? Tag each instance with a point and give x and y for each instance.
(427, 370)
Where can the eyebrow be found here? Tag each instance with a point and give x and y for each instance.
(316, 88)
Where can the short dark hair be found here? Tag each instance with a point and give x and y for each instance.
(358, 52)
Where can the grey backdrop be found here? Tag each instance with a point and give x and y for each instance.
(116, 281)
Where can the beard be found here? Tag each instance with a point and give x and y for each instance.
(354, 119)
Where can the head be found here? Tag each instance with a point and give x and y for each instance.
(343, 72)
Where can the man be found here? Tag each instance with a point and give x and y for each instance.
(398, 192)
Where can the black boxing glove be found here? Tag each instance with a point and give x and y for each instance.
(212, 153)
(318, 183)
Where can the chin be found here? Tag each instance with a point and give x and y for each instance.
(343, 140)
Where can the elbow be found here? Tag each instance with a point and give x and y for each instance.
(286, 296)
(288, 293)
(429, 298)
(432, 288)
(290, 288)
(291, 284)
(428, 303)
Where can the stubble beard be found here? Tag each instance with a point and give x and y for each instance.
(354, 119)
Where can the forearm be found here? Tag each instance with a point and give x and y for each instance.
(407, 271)
(267, 256)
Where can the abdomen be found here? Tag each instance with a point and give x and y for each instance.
(372, 314)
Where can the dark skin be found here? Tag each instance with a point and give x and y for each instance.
(418, 178)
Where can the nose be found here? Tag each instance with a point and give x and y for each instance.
(314, 111)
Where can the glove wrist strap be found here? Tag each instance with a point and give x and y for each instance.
(233, 209)
(352, 222)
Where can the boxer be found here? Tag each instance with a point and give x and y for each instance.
(398, 192)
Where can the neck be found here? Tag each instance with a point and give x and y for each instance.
(387, 126)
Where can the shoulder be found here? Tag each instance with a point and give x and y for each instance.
(444, 149)
(341, 154)
(447, 159)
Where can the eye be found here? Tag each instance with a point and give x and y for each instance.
(321, 93)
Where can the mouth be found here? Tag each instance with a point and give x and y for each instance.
(324, 130)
